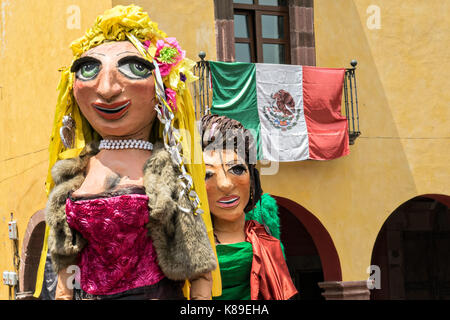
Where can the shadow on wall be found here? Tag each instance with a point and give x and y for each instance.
(342, 34)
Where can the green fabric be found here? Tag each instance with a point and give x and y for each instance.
(267, 208)
(234, 95)
(235, 261)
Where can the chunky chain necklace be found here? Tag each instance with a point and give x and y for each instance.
(125, 144)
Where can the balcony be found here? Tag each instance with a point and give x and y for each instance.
(202, 95)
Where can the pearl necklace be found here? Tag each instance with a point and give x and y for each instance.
(125, 144)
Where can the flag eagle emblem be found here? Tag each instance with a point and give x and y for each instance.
(281, 112)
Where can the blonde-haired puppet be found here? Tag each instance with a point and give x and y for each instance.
(127, 202)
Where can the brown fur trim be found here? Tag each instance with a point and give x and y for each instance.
(180, 239)
(64, 243)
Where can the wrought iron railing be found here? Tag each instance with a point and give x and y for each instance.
(202, 95)
(351, 102)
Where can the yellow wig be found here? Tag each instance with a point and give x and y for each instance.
(176, 126)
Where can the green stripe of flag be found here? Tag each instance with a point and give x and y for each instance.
(234, 95)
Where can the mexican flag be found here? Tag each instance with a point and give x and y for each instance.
(293, 112)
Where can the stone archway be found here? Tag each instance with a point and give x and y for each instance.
(318, 242)
(31, 253)
(412, 249)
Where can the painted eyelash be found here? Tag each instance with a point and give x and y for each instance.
(239, 166)
(79, 62)
(208, 175)
(129, 59)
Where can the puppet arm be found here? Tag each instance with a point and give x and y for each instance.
(62, 290)
(201, 287)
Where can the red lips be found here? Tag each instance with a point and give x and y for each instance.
(112, 111)
(228, 201)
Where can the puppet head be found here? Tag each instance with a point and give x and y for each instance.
(226, 136)
(170, 99)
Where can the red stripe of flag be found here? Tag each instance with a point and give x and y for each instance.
(327, 127)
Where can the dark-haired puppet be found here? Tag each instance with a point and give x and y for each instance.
(251, 259)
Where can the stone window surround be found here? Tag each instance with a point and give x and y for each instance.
(301, 27)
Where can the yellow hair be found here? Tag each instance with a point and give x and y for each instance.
(130, 23)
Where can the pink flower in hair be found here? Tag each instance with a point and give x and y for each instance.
(147, 44)
(171, 97)
(168, 54)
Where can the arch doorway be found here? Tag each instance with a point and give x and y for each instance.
(31, 254)
(310, 253)
(412, 251)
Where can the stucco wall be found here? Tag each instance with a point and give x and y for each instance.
(191, 22)
(404, 150)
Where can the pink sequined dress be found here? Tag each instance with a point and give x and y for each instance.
(119, 255)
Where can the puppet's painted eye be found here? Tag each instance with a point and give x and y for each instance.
(238, 169)
(135, 70)
(88, 71)
(208, 174)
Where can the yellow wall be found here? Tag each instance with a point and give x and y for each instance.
(191, 22)
(404, 150)
(34, 43)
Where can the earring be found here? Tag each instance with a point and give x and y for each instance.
(67, 132)
(250, 205)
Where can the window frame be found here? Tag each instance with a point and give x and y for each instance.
(251, 32)
(256, 11)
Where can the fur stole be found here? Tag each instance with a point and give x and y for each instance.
(180, 239)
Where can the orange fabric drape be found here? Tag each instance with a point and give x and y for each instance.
(269, 278)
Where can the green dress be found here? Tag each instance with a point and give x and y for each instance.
(235, 262)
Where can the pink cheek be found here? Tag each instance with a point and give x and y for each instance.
(209, 188)
(78, 88)
(242, 180)
(143, 90)
(243, 184)
(147, 85)
(82, 92)
(210, 192)
(78, 85)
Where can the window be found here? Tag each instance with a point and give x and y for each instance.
(271, 31)
(261, 31)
